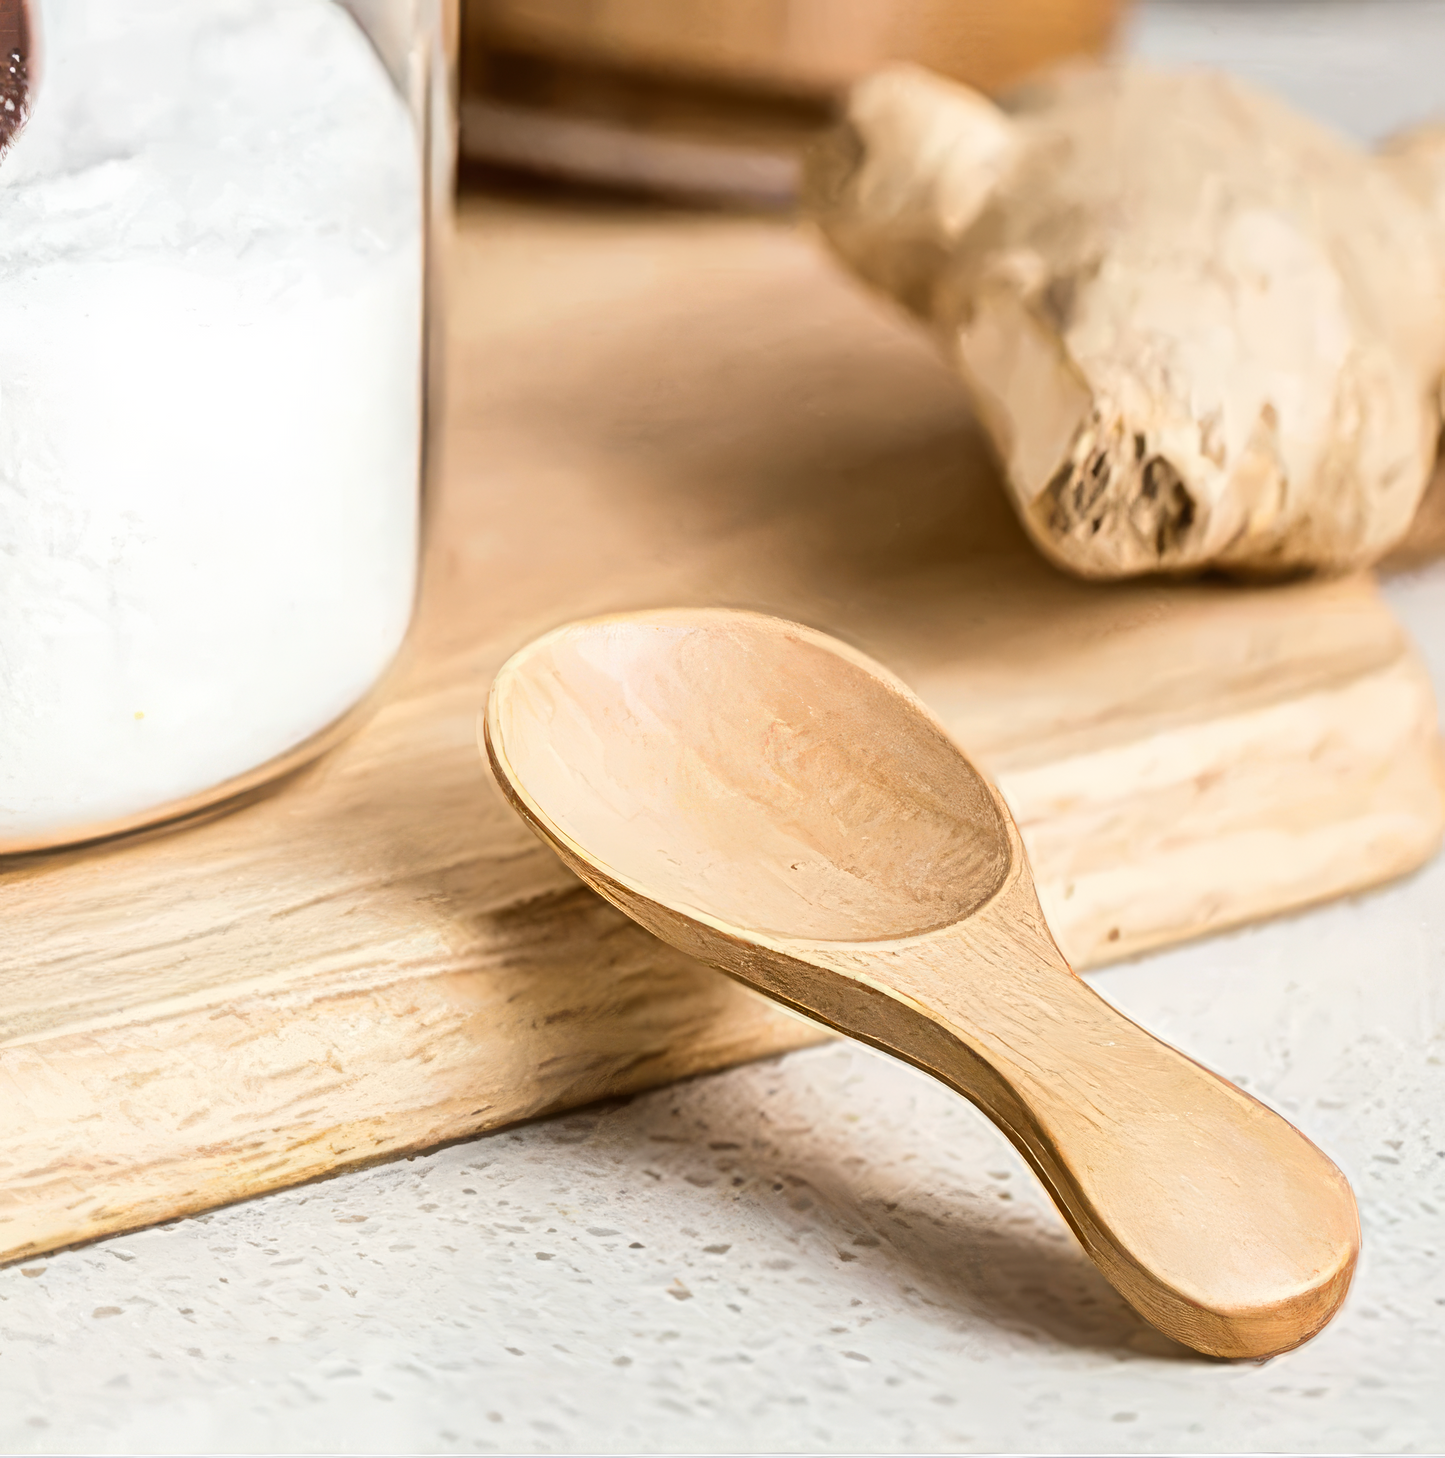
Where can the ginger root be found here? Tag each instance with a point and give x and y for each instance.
(1200, 329)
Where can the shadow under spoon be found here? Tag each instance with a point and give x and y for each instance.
(778, 805)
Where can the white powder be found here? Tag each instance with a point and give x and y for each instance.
(210, 336)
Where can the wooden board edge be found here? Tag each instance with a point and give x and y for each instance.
(171, 1117)
(117, 1128)
(1258, 816)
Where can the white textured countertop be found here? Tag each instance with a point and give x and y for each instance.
(825, 1252)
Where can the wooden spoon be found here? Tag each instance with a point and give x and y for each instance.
(778, 805)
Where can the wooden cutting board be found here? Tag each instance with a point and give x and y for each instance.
(645, 409)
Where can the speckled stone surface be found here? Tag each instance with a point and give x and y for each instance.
(823, 1253)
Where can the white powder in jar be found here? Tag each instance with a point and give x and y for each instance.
(210, 355)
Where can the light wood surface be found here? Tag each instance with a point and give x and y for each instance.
(646, 409)
(719, 98)
(810, 45)
(767, 799)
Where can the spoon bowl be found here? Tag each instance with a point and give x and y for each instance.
(850, 816)
(780, 806)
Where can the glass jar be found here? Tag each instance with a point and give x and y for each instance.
(215, 227)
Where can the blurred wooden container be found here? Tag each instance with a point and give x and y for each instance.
(716, 98)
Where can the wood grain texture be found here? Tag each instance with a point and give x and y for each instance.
(647, 409)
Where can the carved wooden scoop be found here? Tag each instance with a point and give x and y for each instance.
(771, 801)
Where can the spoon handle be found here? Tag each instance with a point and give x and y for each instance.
(1216, 1219)
(1212, 1215)
(720, 775)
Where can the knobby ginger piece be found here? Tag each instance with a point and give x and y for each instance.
(1199, 328)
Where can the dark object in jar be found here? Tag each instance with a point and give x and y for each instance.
(15, 53)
